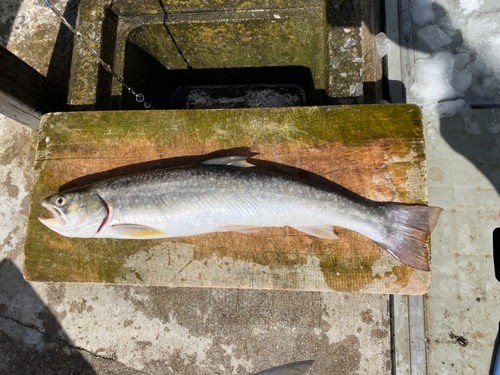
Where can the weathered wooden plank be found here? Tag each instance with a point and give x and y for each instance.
(25, 94)
(374, 151)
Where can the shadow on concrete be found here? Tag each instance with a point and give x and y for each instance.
(402, 32)
(31, 339)
(60, 63)
(482, 150)
(10, 7)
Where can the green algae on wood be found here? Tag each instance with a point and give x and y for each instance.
(374, 151)
(349, 125)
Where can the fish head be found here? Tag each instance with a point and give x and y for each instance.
(77, 213)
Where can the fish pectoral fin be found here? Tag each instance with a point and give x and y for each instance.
(229, 161)
(241, 228)
(137, 230)
(321, 231)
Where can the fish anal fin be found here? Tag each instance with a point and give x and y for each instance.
(229, 161)
(241, 228)
(137, 230)
(321, 231)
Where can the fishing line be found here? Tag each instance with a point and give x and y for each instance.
(138, 96)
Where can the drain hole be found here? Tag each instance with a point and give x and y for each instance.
(496, 252)
(238, 96)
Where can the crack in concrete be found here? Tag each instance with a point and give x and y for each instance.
(164, 8)
(48, 336)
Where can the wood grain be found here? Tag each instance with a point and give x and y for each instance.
(373, 151)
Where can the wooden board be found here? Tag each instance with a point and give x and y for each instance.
(375, 151)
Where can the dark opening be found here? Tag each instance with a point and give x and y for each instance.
(496, 252)
(259, 87)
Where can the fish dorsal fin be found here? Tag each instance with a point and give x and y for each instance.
(229, 161)
(321, 231)
(137, 230)
(241, 228)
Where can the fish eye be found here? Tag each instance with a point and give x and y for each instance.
(60, 201)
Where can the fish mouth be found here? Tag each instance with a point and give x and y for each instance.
(57, 218)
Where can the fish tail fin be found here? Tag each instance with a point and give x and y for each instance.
(407, 233)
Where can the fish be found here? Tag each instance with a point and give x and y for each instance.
(224, 194)
(294, 368)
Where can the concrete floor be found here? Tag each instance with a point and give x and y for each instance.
(462, 308)
(104, 329)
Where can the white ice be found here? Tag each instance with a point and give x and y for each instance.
(433, 37)
(469, 6)
(421, 12)
(482, 37)
(494, 125)
(432, 78)
(460, 81)
(487, 87)
(384, 44)
(446, 83)
(450, 107)
(462, 59)
(460, 12)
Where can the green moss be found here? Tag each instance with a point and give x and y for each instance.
(349, 125)
(152, 7)
(347, 274)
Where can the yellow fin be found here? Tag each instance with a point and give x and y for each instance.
(241, 228)
(321, 231)
(137, 230)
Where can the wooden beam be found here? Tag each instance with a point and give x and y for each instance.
(376, 151)
(25, 94)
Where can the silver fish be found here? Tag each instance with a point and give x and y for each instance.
(294, 368)
(220, 196)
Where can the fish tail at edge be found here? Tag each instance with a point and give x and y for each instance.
(407, 234)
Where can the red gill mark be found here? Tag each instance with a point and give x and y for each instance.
(107, 215)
